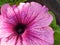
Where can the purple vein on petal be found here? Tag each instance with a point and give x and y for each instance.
(9, 23)
(33, 18)
(38, 20)
(21, 39)
(19, 17)
(10, 37)
(38, 38)
(33, 42)
(16, 40)
(16, 15)
(25, 17)
(29, 40)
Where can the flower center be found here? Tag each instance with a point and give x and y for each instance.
(20, 28)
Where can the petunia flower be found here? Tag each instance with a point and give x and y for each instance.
(26, 24)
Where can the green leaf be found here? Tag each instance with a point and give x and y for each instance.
(56, 30)
(57, 42)
(20, 1)
(53, 24)
(57, 35)
(11, 1)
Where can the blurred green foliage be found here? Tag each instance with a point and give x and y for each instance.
(11, 1)
(56, 30)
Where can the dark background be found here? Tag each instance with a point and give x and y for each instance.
(53, 5)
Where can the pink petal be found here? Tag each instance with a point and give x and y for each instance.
(19, 41)
(28, 12)
(14, 6)
(0, 10)
(18, 11)
(5, 32)
(5, 28)
(23, 9)
(12, 41)
(39, 36)
(34, 13)
(9, 18)
(4, 9)
(8, 12)
(34, 41)
(11, 15)
(42, 18)
(42, 21)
